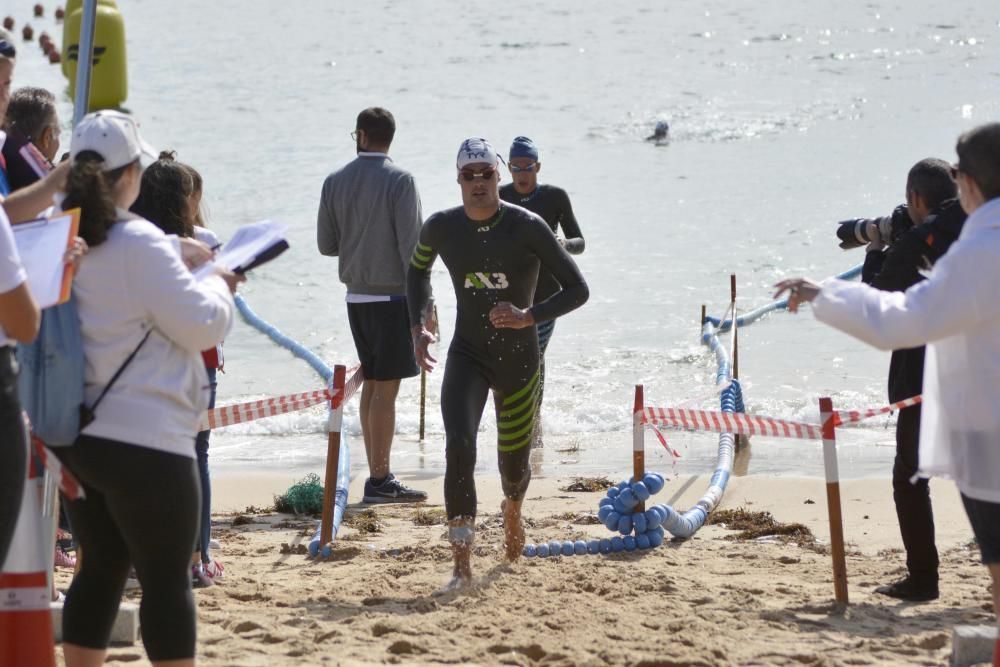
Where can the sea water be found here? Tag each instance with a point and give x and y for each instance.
(785, 118)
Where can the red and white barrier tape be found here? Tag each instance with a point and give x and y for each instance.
(735, 422)
(67, 483)
(841, 417)
(731, 422)
(352, 386)
(238, 413)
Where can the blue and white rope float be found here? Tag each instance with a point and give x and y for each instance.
(635, 530)
(325, 372)
(646, 530)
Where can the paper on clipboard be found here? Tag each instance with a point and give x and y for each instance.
(41, 245)
(249, 247)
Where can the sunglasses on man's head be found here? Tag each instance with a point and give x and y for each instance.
(7, 49)
(485, 174)
(514, 169)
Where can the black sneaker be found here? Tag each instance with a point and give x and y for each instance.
(391, 490)
(910, 590)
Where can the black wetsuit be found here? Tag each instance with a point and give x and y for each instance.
(490, 261)
(553, 205)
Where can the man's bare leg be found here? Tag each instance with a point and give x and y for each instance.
(512, 528)
(461, 532)
(378, 423)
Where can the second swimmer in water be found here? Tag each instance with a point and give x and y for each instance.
(493, 252)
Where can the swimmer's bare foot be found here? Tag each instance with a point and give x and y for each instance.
(512, 528)
(461, 576)
(461, 532)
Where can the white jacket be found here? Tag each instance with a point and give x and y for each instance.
(133, 281)
(956, 311)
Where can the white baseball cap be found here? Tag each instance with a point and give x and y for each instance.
(111, 134)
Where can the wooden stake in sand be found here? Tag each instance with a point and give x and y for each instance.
(833, 500)
(735, 338)
(423, 400)
(333, 426)
(638, 443)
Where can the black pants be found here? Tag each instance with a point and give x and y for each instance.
(913, 501)
(464, 390)
(13, 450)
(142, 508)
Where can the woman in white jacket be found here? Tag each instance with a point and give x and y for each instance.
(144, 321)
(955, 311)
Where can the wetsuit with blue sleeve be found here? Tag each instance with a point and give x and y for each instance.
(491, 261)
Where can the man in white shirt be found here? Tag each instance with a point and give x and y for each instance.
(957, 313)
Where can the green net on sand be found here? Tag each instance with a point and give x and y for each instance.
(303, 497)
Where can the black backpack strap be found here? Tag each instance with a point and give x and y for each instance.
(87, 414)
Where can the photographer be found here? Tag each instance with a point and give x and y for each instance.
(900, 246)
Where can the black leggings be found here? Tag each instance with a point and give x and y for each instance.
(913, 500)
(13, 450)
(466, 383)
(142, 508)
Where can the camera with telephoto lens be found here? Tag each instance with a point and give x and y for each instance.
(862, 231)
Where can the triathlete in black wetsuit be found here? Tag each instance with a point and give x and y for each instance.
(493, 252)
(553, 205)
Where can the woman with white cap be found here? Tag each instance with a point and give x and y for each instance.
(144, 320)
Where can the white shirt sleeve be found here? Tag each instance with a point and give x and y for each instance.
(950, 301)
(12, 272)
(196, 315)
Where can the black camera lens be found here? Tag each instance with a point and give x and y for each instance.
(854, 233)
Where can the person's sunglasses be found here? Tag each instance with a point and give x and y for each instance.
(485, 174)
(7, 49)
(955, 171)
(514, 169)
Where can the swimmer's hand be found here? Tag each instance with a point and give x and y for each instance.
(506, 315)
(800, 290)
(422, 338)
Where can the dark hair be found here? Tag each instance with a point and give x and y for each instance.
(91, 189)
(979, 158)
(163, 195)
(378, 124)
(931, 179)
(196, 187)
(30, 111)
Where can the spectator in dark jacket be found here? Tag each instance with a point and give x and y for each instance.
(937, 218)
(32, 127)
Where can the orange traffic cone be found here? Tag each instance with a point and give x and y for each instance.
(25, 616)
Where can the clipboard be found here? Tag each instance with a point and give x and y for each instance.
(41, 245)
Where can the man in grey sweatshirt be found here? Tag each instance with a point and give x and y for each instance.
(369, 217)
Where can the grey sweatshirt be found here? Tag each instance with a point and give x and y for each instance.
(369, 216)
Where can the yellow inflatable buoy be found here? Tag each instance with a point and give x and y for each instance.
(109, 79)
(74, 37)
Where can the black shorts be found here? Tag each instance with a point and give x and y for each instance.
(985, 519)
(382, 337)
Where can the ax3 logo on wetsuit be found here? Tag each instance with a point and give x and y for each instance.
(486, 280)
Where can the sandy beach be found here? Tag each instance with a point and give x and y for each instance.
(709, 600)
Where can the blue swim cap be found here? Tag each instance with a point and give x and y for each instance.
(523, 147)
